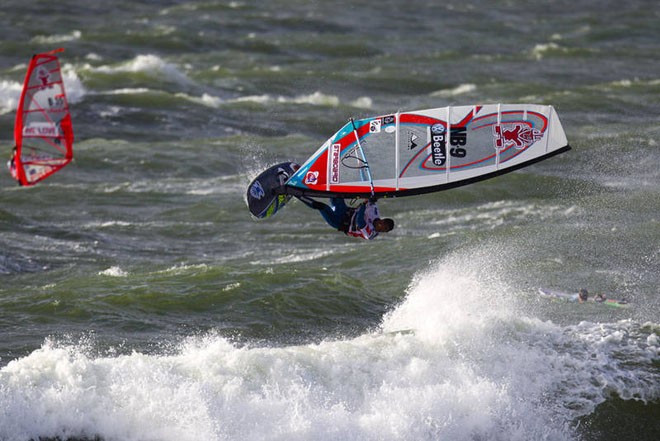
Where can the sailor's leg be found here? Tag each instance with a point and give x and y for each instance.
(311, 203)
(331, 217)
(334, 215)
(339, 205)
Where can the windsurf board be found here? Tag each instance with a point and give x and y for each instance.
(265, 195)
(574, 297)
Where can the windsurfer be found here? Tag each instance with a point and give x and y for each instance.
(583, 295)
(600, 298)
(11, 165)
(363, 221)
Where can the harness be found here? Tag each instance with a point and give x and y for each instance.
(348, 221)
(349, 225)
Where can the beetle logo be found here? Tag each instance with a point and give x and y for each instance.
(438, 147)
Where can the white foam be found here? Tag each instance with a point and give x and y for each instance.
(10, 93)
(458, 90)
(114, 271)
(128, 91)
(58, 38)
(150, 64)
(106, 224)
(231, 287)
(541, 50)
(205, 100)
(294, 257)
(75, 90)
(316, 99)
(455, 360)
(183, 269)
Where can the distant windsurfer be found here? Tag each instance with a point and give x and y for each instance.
(583, 295)
(363, 221)
(11, 165)
(602, 298)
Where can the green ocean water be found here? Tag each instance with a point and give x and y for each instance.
(139, 300)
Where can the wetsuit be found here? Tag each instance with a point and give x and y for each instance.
(356, 222)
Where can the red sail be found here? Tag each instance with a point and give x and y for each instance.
(43, 132)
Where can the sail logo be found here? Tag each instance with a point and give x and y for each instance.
(438, 145)
(57, 103)
(312, 178)
(412, 141)
(374, 126)
(517, 135)
(335, 152)
(44, 76)
(41, 129)
(257, 191)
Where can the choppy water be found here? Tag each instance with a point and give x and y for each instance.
(139, 301)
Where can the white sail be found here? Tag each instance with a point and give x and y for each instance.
(422, 151)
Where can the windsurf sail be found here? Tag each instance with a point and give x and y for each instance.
(409, 153)
(43, 133)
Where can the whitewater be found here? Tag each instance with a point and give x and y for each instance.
(455, 360)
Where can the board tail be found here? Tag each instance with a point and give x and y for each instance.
(265, 194)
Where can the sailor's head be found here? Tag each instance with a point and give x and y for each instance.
(384, 225)
(583, 293)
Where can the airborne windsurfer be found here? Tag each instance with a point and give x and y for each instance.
(363, 221)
